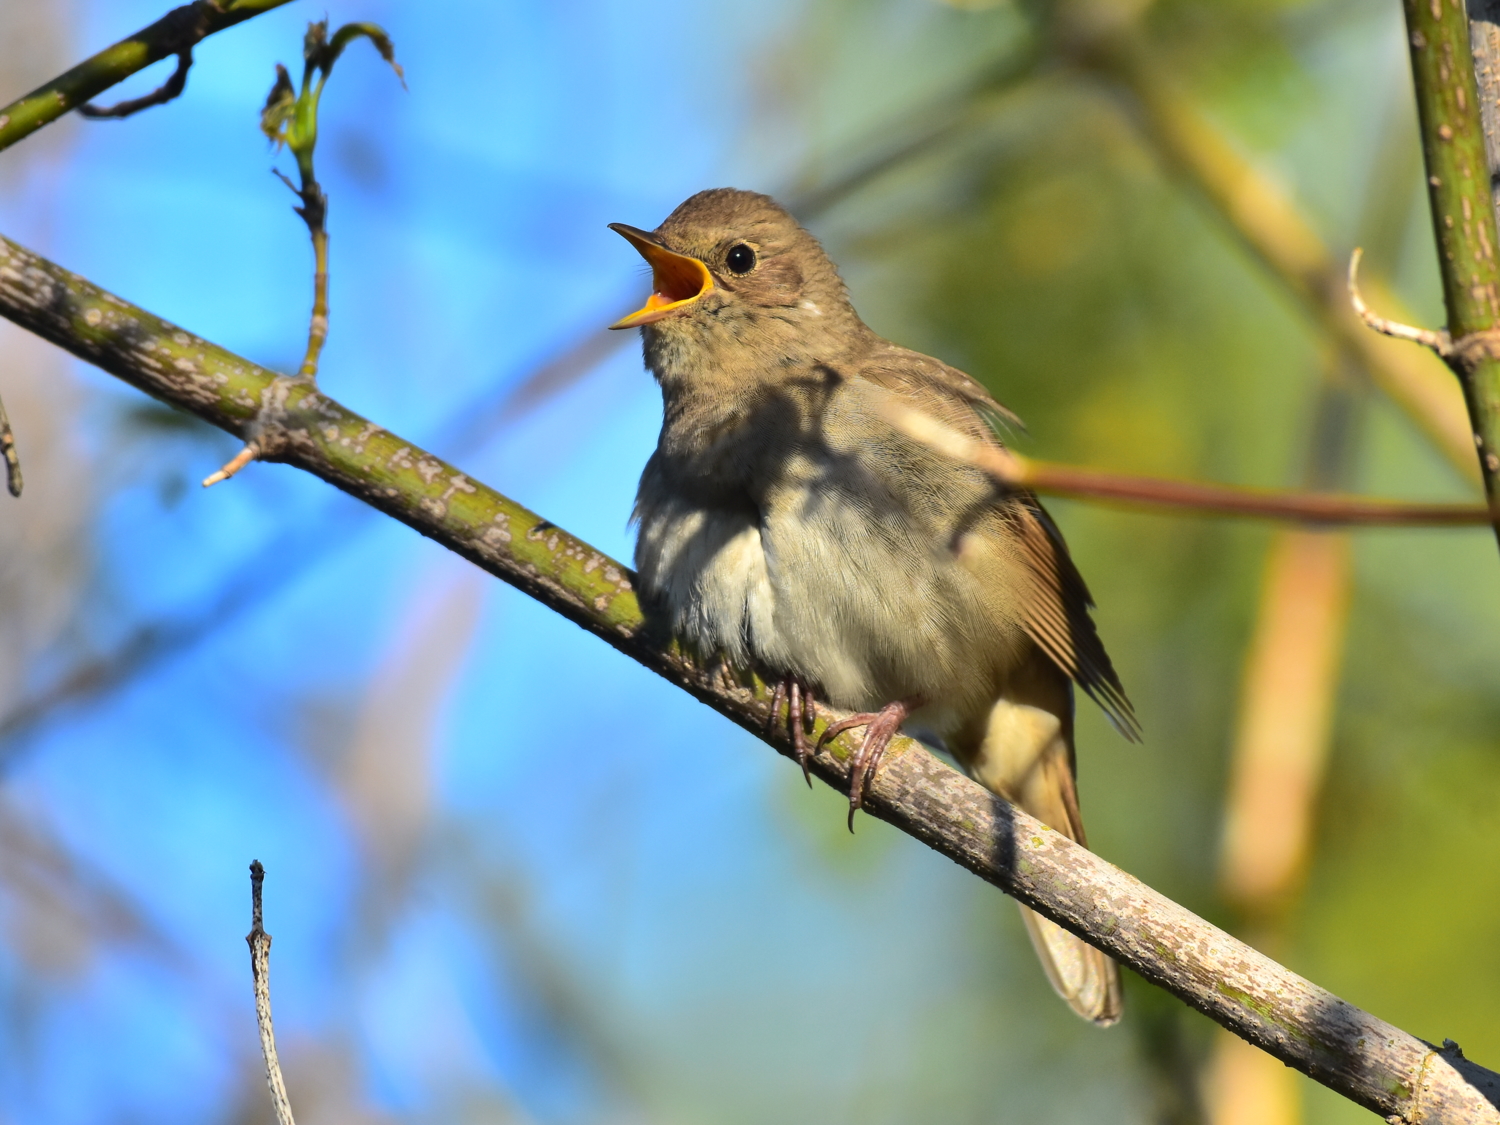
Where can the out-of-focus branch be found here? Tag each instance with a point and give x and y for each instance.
(1463, 216)
(260, 969)
(1268, 223)
(1052, 479)
(1363, 1058)
(174, 34)
(13, 480)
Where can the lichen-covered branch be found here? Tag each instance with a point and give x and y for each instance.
(1365, 1059)
(1463, 216)
(174, 34)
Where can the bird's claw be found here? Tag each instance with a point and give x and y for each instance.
(799, 716)
(880, 727)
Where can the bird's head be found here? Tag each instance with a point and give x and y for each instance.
(734, 264)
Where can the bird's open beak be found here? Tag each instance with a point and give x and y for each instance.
(677, 280)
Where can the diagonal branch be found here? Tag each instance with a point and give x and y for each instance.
(1363, 1058)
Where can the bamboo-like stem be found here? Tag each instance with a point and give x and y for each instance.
(1270, 226)
(1363, 1058)
(1193, 497)
(1463, 216)
(173, 34)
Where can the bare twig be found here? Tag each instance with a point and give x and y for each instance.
(290, 118)
(247, 454)
(1438, 339)
(1184, 496)
(8, 451)
(1369, 1061)
(174, 33)
(164, 93)
(260, 968)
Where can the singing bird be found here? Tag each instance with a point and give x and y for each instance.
(788, 523)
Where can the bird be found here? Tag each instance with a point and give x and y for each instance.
(787, 522)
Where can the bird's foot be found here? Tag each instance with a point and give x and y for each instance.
(880, 727)
(799, 717)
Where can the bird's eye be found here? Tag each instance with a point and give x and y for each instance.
(741, 259)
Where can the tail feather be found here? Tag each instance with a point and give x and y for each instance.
(1026, 756)
(1087, 979)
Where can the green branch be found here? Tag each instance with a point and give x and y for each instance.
(1463, 218)
(174, 34)
(1363, 1058)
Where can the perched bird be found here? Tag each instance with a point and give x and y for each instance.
(787, 523)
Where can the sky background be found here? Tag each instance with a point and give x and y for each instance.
(512, 877)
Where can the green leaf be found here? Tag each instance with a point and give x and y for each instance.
(377, 37)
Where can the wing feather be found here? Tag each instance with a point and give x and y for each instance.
(1056, 611)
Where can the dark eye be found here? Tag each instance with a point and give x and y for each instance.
(741, 259)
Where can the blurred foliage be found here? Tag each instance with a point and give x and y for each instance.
(629, 963)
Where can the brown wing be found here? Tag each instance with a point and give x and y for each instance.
(1056, 615)
(1056, 612)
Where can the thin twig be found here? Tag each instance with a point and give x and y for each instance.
(1437, 340)
(249, 453)
(1363, 1058)
(1013, 470)
(260, 968)
(164, 93)
(8, 450)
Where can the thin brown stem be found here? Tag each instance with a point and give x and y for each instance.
(1185, 497)
(260, 969)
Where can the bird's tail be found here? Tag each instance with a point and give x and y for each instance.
(1027, 757)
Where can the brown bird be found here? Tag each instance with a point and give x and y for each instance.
(787, 523)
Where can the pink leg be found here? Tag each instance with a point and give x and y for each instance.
(799, 715)
(880, 727)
